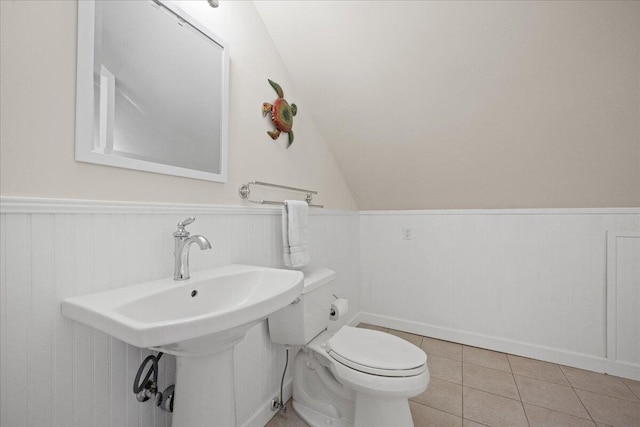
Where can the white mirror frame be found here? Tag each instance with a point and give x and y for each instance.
(84, 149)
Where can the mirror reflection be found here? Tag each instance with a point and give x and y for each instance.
(158, 91)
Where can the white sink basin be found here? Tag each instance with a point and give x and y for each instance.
(199, 320)
(196, 316)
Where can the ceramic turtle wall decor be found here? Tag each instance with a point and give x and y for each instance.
(281, 114)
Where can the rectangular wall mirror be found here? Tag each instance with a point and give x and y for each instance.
(152, 89)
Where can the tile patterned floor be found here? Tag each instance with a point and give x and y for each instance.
(475, 387)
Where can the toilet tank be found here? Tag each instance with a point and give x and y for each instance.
(300, 322)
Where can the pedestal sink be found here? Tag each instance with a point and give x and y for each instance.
(199, 320)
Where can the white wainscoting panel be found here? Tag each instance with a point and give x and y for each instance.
(623, 303)
(529, 282)
(56, 372)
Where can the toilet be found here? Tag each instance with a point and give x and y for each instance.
(352, 377)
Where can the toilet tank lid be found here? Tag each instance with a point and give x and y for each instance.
(316, 277)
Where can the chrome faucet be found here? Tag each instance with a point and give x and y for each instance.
(182, 244)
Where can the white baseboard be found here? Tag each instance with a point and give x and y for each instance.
(355, 319)
(548, 354)
(262, 416)
(621, 369)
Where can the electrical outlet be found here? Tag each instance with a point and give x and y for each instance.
(407, 233)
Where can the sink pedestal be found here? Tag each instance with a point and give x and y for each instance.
(205, 390)
(205, 379)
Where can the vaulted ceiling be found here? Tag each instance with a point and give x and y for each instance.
(470, 104)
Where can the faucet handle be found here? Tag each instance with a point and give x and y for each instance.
(181, 227)
(186, 222)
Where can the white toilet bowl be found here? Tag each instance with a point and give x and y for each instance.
(353, 377)
(358, 377)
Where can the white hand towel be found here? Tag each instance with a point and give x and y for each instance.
(294, 233)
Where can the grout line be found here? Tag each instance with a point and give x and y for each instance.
(514, 379)
(463, 346)
(545, 381)
(518, 390)
(627, 385)
(439, 355)
(486, 367)
(607, 395)
(579, 398)
(437, 409)
(583, 405)
(453, 360)
(537, 378)
(565, 375)
(488, 392)
(476, 422)
(462, 379)
(493, 394)
(560, 412)
(474, 388)
(575, 387)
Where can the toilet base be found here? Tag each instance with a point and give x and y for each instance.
(396, 413)
(314, 418)
(373, 411)
(321, 400)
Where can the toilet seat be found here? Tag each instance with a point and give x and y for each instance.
(376, 353)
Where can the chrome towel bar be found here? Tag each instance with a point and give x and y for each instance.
(245, 193)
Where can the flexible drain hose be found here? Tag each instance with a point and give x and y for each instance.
(139, 386)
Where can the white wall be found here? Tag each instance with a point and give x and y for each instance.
(37, 115)
(58, 372)
(528, 282)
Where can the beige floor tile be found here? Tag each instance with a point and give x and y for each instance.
(374, 327)
(489, 380)
(442, 395)
(412, 338)
(486, 358)
(469, 423)
(489, 409)
(445, 369)
(598, 383)
(537, 369)
(551, 396)
(425, 416)
(633, 385)
(610, 410)
(287, 419)
(441, 348)
(542, 417)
